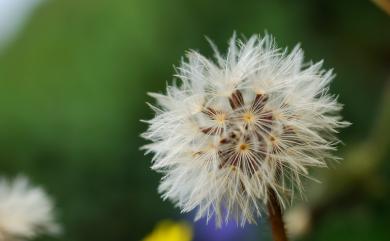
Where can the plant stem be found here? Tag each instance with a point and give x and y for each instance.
(275, 217)
(384, 4)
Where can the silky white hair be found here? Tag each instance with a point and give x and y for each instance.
(232, 129)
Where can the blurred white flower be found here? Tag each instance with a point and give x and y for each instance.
(298, 221)
(25, 211)
(13, 15)
(233, 129)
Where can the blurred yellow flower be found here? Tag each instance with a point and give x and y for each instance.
(170, 231)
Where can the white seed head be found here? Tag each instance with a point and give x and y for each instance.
(25, 211)
(235, 127)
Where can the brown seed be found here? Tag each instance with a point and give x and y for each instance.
(210, 112)
(259, 102)
(212, 131)
(236, 100)
(224, 141)
(266, 121)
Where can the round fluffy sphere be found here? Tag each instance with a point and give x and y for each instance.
(235, 128)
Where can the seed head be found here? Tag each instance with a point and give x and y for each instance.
(236, 127)
(25, 211)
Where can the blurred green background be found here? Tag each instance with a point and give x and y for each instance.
(73, 88)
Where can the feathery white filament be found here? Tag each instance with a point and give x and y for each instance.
(255, 119)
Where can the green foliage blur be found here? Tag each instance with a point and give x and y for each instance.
(73, 90)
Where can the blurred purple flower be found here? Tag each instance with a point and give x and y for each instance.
(229, 232)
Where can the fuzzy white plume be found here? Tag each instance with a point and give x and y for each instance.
(236, 127)
(25, 211)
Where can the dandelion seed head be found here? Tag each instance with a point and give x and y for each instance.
(254, 119)
(25, 211)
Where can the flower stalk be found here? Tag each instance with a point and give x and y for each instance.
(276, 217)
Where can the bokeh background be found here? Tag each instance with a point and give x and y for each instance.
(73, 81)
